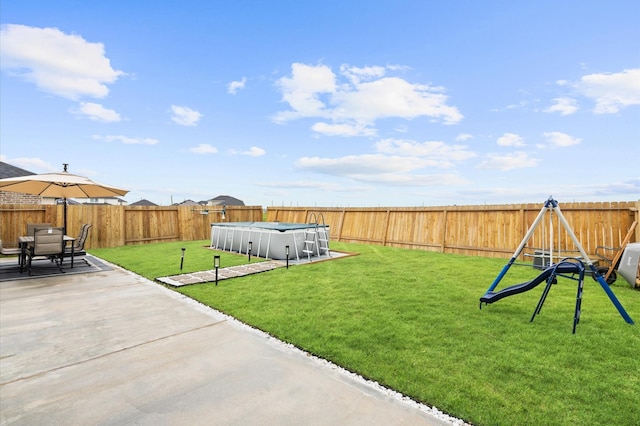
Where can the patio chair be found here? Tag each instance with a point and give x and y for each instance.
(78, 244)
(10, 251)
(47, 243)
(31, 227)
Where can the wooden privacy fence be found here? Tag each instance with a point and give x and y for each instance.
(491, 231)
(115, 226)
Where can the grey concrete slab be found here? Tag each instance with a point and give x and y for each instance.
(113, 348)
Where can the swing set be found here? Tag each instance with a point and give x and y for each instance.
(567, 267)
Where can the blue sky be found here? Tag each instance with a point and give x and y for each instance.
(330, 103)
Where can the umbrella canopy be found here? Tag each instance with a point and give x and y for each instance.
(59, 185)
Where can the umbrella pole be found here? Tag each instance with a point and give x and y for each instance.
(64, 229)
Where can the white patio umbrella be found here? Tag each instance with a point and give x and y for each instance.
(59, 185)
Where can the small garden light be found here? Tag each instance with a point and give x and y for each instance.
(249, 250)
(216, 265)
(286, 254)
(182, 258)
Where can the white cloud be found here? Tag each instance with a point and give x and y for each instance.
(361, 164)
(63, 64)
(35, 165)
(442, 154)
(356, 74)
(520, 104)
(516, 160)
(561, 139)
(396, 162)
(463, 137)
(96, 112)
(630, 187)
(343, 129)
(389, 179)
(203, 148)
(380, 169)
(611, 92)
(362, 96)
(541, 191)
(234, 86)
(565, 106)
(301, 91)
(393, 97)
(315, 185)
(254, 151)
(510, 139)
(185, 116)
(126, 140)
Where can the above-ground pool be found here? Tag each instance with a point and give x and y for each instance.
(271, 239)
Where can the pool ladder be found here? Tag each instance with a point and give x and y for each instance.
(316, 239)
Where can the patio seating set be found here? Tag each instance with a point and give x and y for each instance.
(45, 242)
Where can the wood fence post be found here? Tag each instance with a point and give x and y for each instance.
(637, 218)
(386, 228)
(444, 231)
(123, 226)
(340, 224)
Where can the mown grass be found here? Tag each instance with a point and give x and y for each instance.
(163, 259)
(410, 320)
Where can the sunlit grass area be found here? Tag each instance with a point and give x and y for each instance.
(164, 259)
(410, 320)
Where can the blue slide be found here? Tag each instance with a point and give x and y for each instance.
(561, 268)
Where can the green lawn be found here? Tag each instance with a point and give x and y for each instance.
(163, 259)
(409, 320)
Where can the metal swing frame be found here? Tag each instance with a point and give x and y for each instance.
(551, 206)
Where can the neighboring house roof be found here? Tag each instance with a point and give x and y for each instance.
(144, 202)
(187, 203)
(220, 200)
(7, 197)
(225, 200)
(7, 171)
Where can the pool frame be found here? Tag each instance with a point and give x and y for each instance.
(268, 239)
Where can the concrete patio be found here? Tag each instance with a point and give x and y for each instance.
(113, 348)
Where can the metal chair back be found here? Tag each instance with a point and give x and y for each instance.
(48, 242)
(82, 238)
(78, 245)
(31, 227)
